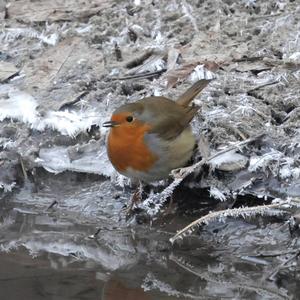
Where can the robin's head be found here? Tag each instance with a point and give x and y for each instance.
(127, 116)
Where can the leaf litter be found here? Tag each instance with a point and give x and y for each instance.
(58, 89)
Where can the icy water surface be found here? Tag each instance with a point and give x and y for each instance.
(48, 254)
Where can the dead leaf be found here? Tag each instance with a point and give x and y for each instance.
(46, 73)
(173, 76)
(7, 70)
(155, 62)
(180, 74)
(173, 55)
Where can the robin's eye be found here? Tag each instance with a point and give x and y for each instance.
(129, 119)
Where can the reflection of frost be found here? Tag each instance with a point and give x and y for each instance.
(12, 245)
(62, 244)
(217, 269)
(151, 283)
(6, 222)
(217, 279)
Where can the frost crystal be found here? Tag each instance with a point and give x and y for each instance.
(154, 202)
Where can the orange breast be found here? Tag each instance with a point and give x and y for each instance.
(127, 149)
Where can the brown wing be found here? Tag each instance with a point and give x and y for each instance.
(170, 118)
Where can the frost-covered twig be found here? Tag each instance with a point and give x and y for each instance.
(155, 201)
(11, 34)
(150, 283)
(184, 172)
(223, 214)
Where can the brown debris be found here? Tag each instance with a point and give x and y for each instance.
(43, 73)
(180, 74)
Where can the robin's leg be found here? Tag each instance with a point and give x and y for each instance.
(136, 198)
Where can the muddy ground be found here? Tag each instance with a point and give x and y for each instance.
(65, 66)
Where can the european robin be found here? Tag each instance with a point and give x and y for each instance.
(153, 136)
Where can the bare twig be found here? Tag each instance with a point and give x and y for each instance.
(276, 254)
(23, 168)
(263, 85)
(118, 52)
(63, 63)
(139, 60)
(142, 75)
(54, 203)
(95, 235)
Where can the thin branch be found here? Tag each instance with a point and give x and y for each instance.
(142, 75)
(23, 168)
(263, 85)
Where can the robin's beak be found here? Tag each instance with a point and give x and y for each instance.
(110, 124)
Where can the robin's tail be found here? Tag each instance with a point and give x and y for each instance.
(192, 92)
